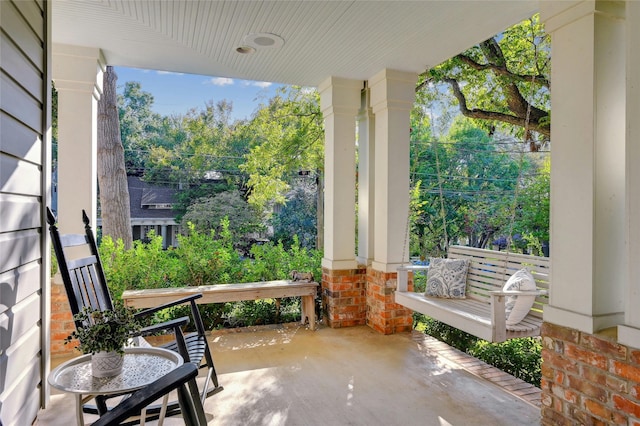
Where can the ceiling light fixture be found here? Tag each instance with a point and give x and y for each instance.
(263, 40)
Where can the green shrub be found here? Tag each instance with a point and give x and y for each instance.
(145, 265)
(205, 259)
(519, 357)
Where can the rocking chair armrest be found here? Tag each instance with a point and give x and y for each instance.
(172, 324)
(168, 305)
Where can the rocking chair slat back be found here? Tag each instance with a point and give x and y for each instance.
(86, 286)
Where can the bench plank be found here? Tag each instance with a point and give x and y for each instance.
(221, 293)
(482, 312)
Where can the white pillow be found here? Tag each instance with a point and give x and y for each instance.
(517, 307)
(447, 278)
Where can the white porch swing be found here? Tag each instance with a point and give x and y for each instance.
(482, 312)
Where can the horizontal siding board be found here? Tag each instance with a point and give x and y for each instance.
(19, 177)
(25, 73)
(16, 403)
(18, 321)
(32, 13)
(19, 140)
(18, 284)
(12, 361)
(22, 34)
(18, 249)
(24, 88)
(29, 411)
(18, 212)
(19, 103)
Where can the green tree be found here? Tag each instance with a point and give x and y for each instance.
(501, 82)
(287, 136)
(202, 155)
(297, 218)
(464, 188)
(207, 214)
(532, 221)
(140, 127)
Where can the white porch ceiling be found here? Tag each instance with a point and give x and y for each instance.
(350, 39)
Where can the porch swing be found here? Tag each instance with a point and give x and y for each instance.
(482, 311)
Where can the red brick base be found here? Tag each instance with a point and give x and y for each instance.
(61, 320)
(383, 314)
(588, 379)
(363, 296)
(343, 297)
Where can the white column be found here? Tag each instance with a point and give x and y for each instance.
(392, 97)
(165, 238)
(629, 334)
(588, 238)
(77, 74)
(339, 102)
(366, 180)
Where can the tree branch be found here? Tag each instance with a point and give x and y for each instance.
(533, 123)
(502, 70)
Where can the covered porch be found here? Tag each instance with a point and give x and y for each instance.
(364, 58)
(290, 375)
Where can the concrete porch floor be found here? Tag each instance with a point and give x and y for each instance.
(289, 375)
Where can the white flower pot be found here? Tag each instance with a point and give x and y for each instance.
(106, 364)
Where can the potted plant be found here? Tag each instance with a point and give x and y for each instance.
(104, 334)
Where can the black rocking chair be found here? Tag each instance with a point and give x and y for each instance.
(178, 379)
(86, 286)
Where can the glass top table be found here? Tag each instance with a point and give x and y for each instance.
(141, 367)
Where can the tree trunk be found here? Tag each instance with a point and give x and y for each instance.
(112, 175)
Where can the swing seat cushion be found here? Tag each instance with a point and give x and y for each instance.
(447, 278)
(517, 307)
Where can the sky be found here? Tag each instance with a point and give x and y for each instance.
(176, 93)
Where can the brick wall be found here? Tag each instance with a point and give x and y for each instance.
(383, 314)
(61, 320)
(588, 379)
(343, 297)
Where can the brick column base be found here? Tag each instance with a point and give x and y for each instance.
(588, 379)
(383, 314)
(61, 320)
(343, 297)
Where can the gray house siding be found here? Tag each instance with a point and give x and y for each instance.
(24, 183)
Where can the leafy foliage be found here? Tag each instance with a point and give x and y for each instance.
(502, 82)
(206, 259)
(140, 127)
(208, 213)
(297, 216)
(464, 188)
(519, 357)
(287, 136)
(104, 330)
(534, 205)
(145, 265)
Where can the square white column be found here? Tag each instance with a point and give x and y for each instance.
(629, 334)
(339, 103)
(588, 237)
(77, 74)
(366, 180)
(392, 97)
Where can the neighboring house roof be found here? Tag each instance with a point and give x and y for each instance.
(150, 204)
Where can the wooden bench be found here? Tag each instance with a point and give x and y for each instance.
(482, 313)
(221, 293)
